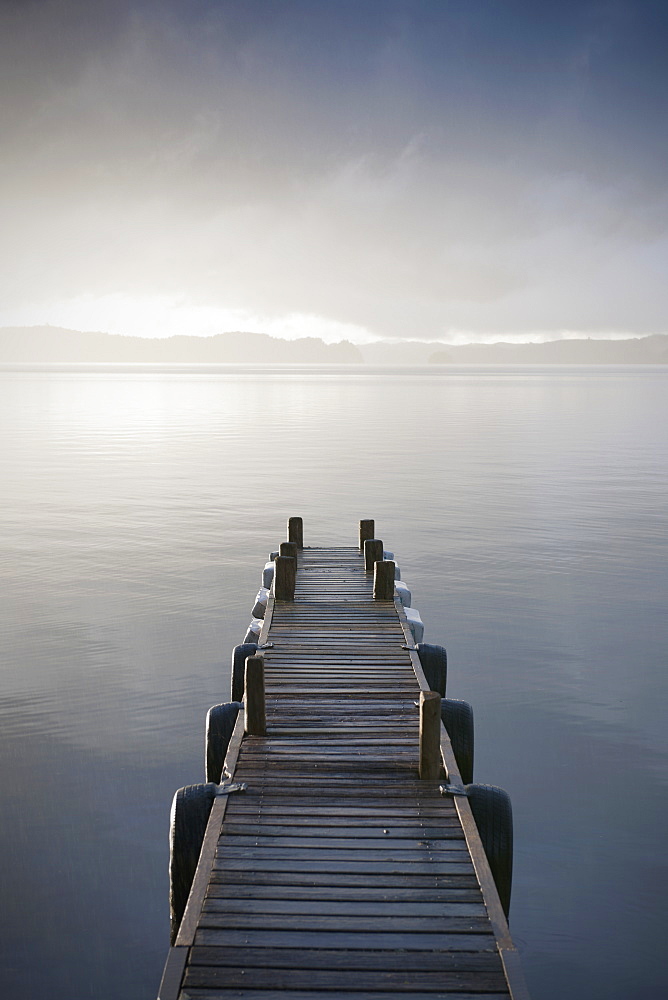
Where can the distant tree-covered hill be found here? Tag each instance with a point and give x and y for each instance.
(50, 345)
(647, 350)
(635, 351)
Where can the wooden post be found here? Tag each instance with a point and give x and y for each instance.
(373, 551)
(288, 549)
(285, 577)
(430, 735)
(296, 531)
(254, 703)
(383, 580)
(367, 529)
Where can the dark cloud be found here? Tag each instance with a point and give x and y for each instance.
(397, 165)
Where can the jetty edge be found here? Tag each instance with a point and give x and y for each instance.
(339, 847)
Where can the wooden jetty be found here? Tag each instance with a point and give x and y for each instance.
(341, 857)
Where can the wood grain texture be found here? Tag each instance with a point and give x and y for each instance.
(373, 551)
(383, 580)
(430, 735)
(288, 549)
(244, 994)
(367, 529)
(296, 531)
(254, 696)
(285, 577)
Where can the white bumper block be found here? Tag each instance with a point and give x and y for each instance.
(260, 606)
(254, 629)
(416, 624)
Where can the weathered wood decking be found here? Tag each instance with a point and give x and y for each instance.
(338, 873)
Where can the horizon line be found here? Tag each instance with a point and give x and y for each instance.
(518, 340)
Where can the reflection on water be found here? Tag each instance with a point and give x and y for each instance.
(527, 509)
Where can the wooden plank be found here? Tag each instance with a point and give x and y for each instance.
(354, 908)
(386, 668)
(362, 612)
(388, 671)
(331, 624)
(397, 825)
(340, 867)
(308, 753)
(327, 787)
(370, 846)
(376, 656)
(235, 993)
(384, 704)
(328, 958)
(326, 750)
(333, 725)
(307, 785)
(172, 976)
(358, 833)
(336, 737)
(389, 709)
(289, 680)
(258, 858)
(336, 790)
(294, 686)
(342, 979)
(341, 731)
(311, 776)
(308, 805)
(359, 737)
(287, 758)
(306, 777)
(364, 940)
(362, 894)
(440, 809)
(345, 614)
(334, 815)
(348, 640)
(217, 916)
(426, 882)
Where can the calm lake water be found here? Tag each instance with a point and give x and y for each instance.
(527, 508)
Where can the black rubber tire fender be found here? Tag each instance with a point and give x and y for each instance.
(493, 815)
(239, 654)
(457, 718)
(434, 661)
(220, 720)
(191, 807)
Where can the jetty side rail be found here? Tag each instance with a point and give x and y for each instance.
(170, 986)
(497, 918)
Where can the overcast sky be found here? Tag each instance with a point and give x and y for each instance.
(479, 169)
